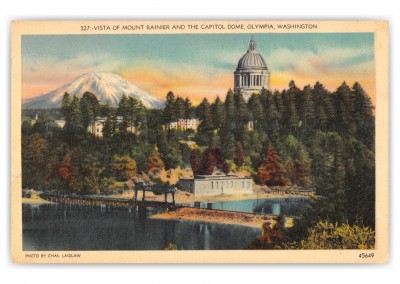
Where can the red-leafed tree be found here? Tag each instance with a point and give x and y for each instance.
(195, 162)
(270, 171)
(213, 158)
(209, 161)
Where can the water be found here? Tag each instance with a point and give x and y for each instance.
(73, 227)
(289, 207)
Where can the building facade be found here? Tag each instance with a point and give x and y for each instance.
(183, 124)
(251, 74)
(208, 185)
(96, 127)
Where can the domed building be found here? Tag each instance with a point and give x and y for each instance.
(251, 74)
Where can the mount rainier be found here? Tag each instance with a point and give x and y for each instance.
(108, 87)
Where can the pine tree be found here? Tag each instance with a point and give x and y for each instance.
(273, 116)
(238, 157)
(344, 109)
(241, 112)
(169, 110)
(325, 110)
(291, 117)
(218, 113)
(189, 113)
(124, 111)
(204, 112)
(90, 107)
(255, 108)
(363, 116)
(230, 111)
(307, 107)
(179, 107)
(66, 107)
(74, 125)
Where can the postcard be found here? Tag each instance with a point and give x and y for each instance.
(199, 141)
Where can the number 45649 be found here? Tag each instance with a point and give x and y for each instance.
(366, 255)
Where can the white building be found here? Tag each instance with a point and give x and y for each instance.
(208, 185)
(96, 127)
(251, 74)
(183, 124)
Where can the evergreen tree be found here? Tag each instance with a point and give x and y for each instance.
(90, 107)
(189, 113)
(227, 143)
(307, 107)
(291, 117)
(230, 111)
(344, 109)
(363, 116)
(169, 110)
(325, 110)
(204, 112)
(255, 108)
(34, 160)
(74, 124)
(273, 116)
(123, 110)
(241, 112)
(179, 107)
(218, 113)
(66, 107)
(238, 157)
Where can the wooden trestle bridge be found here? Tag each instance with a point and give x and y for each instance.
(119, 202)
(156, 189)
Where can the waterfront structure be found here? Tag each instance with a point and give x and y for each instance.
(252, 74)
(208, 185)
(183, 124)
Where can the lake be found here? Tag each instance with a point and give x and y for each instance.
(74, 227)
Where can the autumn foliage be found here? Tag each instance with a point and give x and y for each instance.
(270, 171)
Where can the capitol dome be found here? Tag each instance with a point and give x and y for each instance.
(252, 59)
(252, 74)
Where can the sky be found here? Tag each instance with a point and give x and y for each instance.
(197, 65)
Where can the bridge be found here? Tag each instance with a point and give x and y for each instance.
(156, 189)
(105, 201)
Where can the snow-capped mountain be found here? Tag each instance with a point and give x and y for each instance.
(108, 87)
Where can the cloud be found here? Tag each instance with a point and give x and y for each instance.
(208, 74)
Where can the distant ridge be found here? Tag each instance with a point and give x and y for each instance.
(108, 87)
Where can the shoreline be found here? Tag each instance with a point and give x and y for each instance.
(185, 197)
(35, 200)
(218, 217)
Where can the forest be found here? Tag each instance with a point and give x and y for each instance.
(309, 137)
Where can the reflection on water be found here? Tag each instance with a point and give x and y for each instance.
(74, 227)
(289, 207)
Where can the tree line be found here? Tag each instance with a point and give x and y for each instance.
(309, 137)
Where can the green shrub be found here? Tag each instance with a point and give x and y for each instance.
(325, 235)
